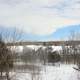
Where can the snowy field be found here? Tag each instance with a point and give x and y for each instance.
(49, 72)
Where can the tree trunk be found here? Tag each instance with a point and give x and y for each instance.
(7, 76)
(1, 73)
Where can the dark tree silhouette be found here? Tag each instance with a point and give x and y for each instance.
(6, 58)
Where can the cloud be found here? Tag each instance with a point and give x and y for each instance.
(40, 17)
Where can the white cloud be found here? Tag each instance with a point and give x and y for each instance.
(46, 2)
(37, 16)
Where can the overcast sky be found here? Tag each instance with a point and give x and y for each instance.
(39, 17)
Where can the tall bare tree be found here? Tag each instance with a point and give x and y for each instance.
(7, 53)
(6, 59)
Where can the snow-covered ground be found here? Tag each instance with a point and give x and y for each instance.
(64, 72)
(49, 72)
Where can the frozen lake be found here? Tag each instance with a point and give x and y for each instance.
(49, 72)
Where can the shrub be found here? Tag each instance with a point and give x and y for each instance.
(54, 57)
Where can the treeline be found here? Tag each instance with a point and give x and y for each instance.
(71, 54)
(68, 54)
(44, 55)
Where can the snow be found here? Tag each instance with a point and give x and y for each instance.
(49, 72)
(57, 48)
(65, 72)
(35, 47)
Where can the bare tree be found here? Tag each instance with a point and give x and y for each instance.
(8, 53)
(73, 49)
(6, 59)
